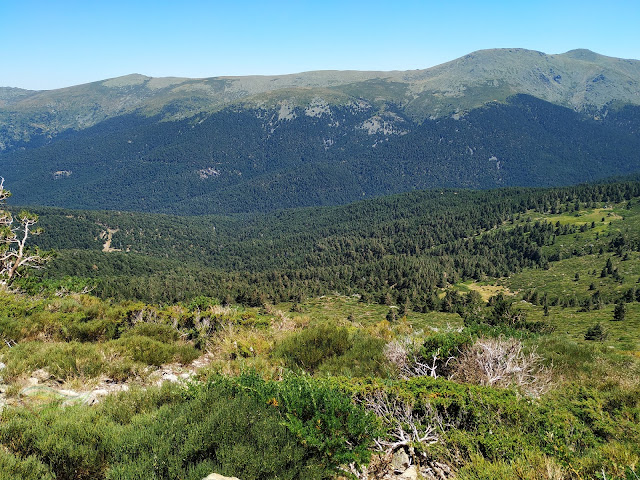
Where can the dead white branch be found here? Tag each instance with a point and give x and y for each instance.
(406, 427)
(404, 354)
(502, 362)
(14, 254)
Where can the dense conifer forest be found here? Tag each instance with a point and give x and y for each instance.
(402, 248)
(199, 165)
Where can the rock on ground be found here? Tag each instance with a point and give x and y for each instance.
(217, 476)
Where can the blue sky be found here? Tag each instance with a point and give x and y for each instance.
(51, 44)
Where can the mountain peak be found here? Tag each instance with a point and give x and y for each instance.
(126, 80)
(583, 54)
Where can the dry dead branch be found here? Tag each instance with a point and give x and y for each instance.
(502, 362)
(406, 427)
(404, 355)
(14, 255)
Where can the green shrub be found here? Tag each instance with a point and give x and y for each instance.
(152, 352)
(320, 414)
(202, 303)
(28, 468)
(311, 347)
(481, 469)
(364, 358)
(445, 344)
(443, 347)
(156, 331)
(160, 433)
(334, 350)
(62, 360)
(232, 433)
(124, 407)
(83, 328)
(72, 441)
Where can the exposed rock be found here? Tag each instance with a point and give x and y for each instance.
(387, 124)
(169, 377)
(317, 108)
(410, 473)
(400, 461)
(207, 172)
(287, 111)
(95, 396)
(39, 376)
(217, 476)
(61, 174)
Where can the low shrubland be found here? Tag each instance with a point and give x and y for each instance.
(296, 428)
(487, 396)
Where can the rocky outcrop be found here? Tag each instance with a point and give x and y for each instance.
(217, 476)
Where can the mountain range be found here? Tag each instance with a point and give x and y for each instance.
(503, 117)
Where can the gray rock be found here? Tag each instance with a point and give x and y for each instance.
(410, 473)
(400, 461)
(39, 376)
(217, 476)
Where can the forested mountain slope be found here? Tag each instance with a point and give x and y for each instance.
(493, 118)
(233, 161)
(402, 248)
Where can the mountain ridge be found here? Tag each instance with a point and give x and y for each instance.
(579, 79)
(493, 118)
(244, 160)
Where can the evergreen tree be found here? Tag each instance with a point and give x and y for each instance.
(619, 311)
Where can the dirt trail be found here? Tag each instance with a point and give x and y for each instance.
(108, 235)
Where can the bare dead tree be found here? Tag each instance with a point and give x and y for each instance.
(14, 233)
(406, 426)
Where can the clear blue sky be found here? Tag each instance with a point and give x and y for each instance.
(48, 44)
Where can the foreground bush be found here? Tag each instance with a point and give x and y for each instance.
(246, 427)
(322, 416)
(327, 349)
(232, 433)
(29, 468)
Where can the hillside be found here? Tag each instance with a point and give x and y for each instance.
(403, 248)
(243, 144)
(458, 334)
(230, 162)
(579, 79)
